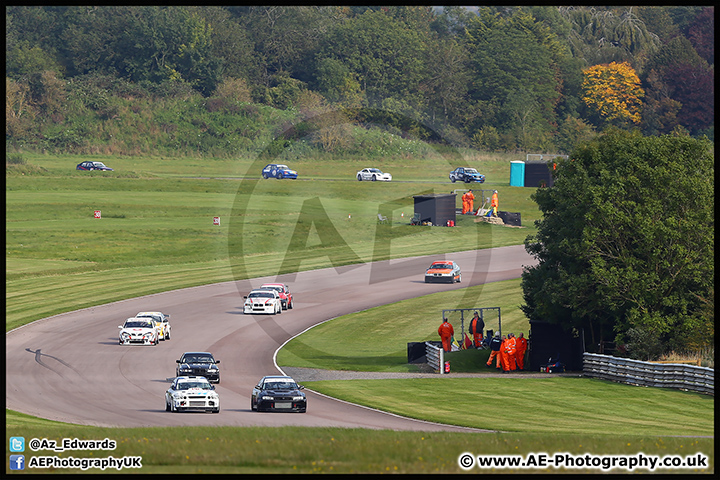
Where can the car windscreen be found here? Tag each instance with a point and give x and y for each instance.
(194, 384)
(441, 265)
(470, 170)
(261, 295)
(138, 325)
(280, 386)
(197, 359)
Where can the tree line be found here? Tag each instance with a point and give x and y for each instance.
(530, 78)
(625, 247)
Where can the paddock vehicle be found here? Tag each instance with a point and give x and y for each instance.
(191, 393)
(88, 166)
(277, 393)
(373, 174)
(277, 170)
(467, 175)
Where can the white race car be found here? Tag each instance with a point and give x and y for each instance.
(138, 330)
(373, 174)
(263, 301)
(161, 322)
(191, 393)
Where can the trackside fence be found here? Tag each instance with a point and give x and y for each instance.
(435, 357)
(646, 374)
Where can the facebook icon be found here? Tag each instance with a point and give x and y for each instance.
(17, 462)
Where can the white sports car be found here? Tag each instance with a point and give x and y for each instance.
(263, 301)
(161, 322)
(138, 330)
(191, 393)
(373, 174)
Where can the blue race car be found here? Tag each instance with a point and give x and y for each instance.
(277, 170)
(467, 175)
(93, 166)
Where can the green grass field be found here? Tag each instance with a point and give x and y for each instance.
(376, 339)
(162, 226)
(157, 222)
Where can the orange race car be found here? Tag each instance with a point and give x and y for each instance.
(443, 271)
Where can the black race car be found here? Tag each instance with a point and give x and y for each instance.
(201, 364)
(276, 393)
(93, 166)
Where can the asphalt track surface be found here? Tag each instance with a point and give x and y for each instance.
(70, 367)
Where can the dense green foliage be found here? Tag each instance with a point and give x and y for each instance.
(198, 79)
(626, 244)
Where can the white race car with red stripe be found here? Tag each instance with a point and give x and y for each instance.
(263, 300)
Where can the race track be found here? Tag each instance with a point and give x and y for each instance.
(70, 367)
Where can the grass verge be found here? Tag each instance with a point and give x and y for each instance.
(293, 450)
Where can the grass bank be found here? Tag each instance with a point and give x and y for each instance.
(292, 450)
(376, 339)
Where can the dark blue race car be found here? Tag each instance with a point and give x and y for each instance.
(467, 175)
(93, 166)
(278, 170)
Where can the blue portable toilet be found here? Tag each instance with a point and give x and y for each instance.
(517, 173)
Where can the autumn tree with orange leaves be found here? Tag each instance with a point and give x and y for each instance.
(613, 92)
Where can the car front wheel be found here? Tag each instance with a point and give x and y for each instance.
(359, 177)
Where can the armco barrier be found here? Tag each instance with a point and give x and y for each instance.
(636, 372)
(435, 357)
